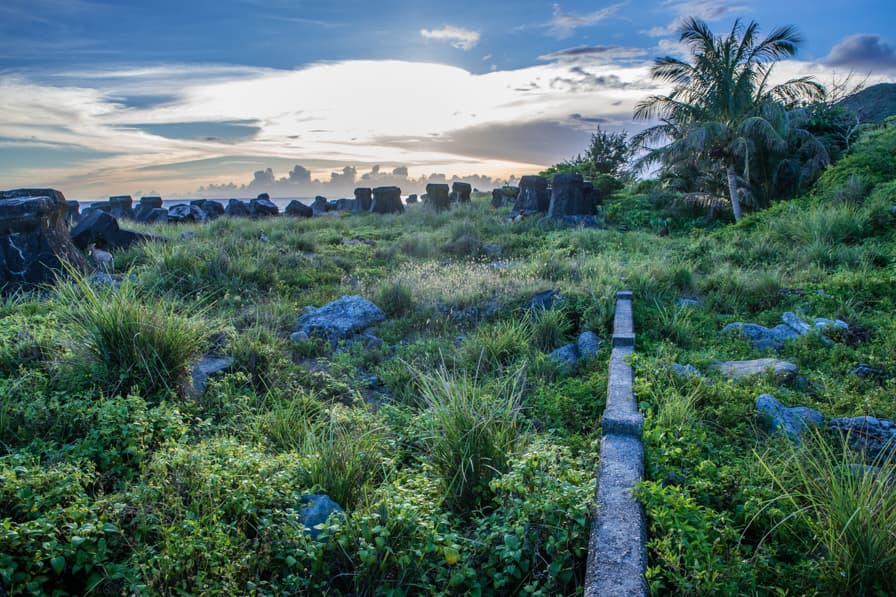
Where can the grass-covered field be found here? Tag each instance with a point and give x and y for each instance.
(463, 456)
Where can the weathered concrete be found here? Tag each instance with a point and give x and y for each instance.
(617, 554)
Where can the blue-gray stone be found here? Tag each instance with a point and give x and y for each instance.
(821, 324)
(340, 319)
(316, 512)
(687, 301)
(792, 421)
(588, 344)
(796, 322)
(566, 356)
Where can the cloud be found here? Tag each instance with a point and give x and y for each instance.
(863, 51)
(564, 24)
(706, 10)
(594, 53)
(460, 38)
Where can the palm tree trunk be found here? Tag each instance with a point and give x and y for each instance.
(732, 191)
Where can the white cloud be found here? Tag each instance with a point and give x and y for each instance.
(564, 24)
(705, 10)
(463, 39)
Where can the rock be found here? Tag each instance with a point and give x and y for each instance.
(460, 192)
(534, 196)
(569, 197)
(822, 324)
(208, 366)
(761, 337)
(153, 201)
(688, 302)
(212, 209)
(34, 239)
(437, 196)
(363, 199)
(345, 205)
(792, 421)
(866, 371)
(873, 437)
(102, 229)
(372, 342)
(412, 198)
(120, 206)
(299, 337)
(506, 195)
(297, 209)
(262, 207)
(72, 212)
(387, 200)
(316, 511)
(155, 216)
(492, 249)
(545, 300)
(145, 206)
(186, 214)
(588, 344)
(566, 356)
(319, 205)
(341, 318)
(237, 209)
(686, 371)
(796, 323)
(783, 371)
(264, 196)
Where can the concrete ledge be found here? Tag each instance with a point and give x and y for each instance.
(617, 554)
(617, 557)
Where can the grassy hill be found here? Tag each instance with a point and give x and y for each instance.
(874, 103)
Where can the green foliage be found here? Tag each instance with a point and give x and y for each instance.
(395, 300)
(472, 431)
(604, 160)
(135, 342)
(873, 159)
(498, 346)
(549, 328)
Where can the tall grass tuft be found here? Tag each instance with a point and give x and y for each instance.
(848, 506)
(472, 431)
(497, 346)
(549, 328)
(136, 342)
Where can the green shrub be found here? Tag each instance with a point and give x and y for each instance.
(494, 347)
(395, 299)
(549, 328)
(471, 432)
(139, 344)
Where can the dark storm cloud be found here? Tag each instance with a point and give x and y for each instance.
(863, 51)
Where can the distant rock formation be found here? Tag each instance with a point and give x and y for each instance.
(387, 200)
(437, 196)
(460, 192)
(363, 199)
(534, 196)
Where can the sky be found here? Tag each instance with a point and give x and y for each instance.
(228, 98)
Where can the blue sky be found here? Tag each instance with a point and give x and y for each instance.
(99, 98)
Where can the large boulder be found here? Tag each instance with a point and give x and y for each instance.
(363, 199)
(571, 197)
(158, 215)
(145, 207)
(873, 437)
(34, 238)
(102, 229)
(213, 209)
(460, 192)
(263, 207)
(534, 196)
(792, 421)
(437, 196)
(186, 214)
(506, 195)
(340, 319)
(72, 212)
(121, 207)
(297, 209)
(566, 357)
(345, 205)
(319, 206)
(782, 371)
(387, 200)
(237, 209)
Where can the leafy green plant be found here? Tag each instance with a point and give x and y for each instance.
(494, 347)
(549, 328)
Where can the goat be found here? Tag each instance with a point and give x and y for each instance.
(103, 258)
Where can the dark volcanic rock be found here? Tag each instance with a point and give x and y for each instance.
(340, 319)
(345, 205)
(212, 209)
(363, 199)
(157, 215)
(460, 192)
(262, 207)
(121, 207)
(412, 198)
(237, 208)
(101, 228)
(72, 212)
(569, 197)
(437, 196)
(297, 209)
(792, 420)
(145, 206)
(873, 437)
(319, 206)
(387, 200)
(186, 214)
(534, 196)
(34, 239)
(504, 196)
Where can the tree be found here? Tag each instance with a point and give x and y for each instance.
(604, 162)
(722, 106)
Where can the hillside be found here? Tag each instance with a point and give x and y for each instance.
(874, 103)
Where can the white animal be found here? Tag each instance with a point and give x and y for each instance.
(103, 258)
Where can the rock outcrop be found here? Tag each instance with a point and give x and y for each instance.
(363, 199)
(782, 371)
(791, 420)
(34, 238)
(437, 196)
(237, 209)
(102, 229)
(340, 319)
(387, 200)
(460, 192)
(534, 196)
(297, 209)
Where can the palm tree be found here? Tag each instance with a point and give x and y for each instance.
(723, 104)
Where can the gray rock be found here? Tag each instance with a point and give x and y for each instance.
(822, 324)
(363, 199)
(795, 322)
(102, 228)
(72, 212)
(155, 216)
(213, 209)
(873, 437)
(566, 356)
(504, 196)
(340, 319)
(569, 197)
(186, 214)
(783, 371)
(120, 207)
(687, 302)
(491, 249)
(34, 239)
(686, 371)
(237, 209)
(297, 209)
(792, 421)
(437, 196)
(299, 337)
(588, 344)
(208, 366)
(387, 200)
(460, 192)
(319, 206)
(534, 196)
(866, 371)
(412, 198)
(545, 300)
(263, 207)
(316, 511)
